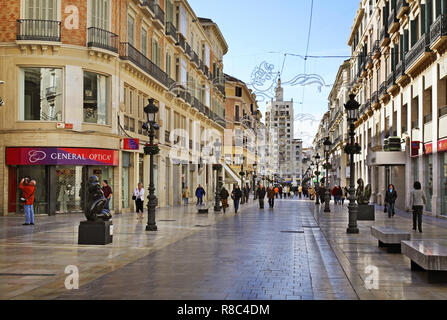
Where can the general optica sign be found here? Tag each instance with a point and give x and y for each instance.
(61, 156)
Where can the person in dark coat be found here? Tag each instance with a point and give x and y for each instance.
(236, 195)
(261, 196)
(390, 199)
(246, 193)
(224, 195)
(200, 192)
(271, 196)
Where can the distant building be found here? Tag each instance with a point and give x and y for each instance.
(279, 122)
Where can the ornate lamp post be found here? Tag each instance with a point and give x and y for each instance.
(352, 148)
(255, 165)
(317, 173)
(217, 167)
(327, 196)
(150, 149)
(242, 174)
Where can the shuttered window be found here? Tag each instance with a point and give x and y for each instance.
(131, 30)
(41, 9)
(99, 10)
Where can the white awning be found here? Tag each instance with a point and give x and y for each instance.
(231, 176)
(386, 158)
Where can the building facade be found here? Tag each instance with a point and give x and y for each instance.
(399, 76)
(78, 74)
(280, 126)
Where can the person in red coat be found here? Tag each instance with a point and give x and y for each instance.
(28, 188)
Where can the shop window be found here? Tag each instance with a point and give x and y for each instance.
(41, 94)
(95, 98)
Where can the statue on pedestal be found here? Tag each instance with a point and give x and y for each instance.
(363, 194)
(96, 201)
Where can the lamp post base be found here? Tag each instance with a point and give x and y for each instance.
(151, 228)
(217, 208)
(352, 230)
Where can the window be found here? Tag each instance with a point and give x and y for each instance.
(144, 41)
(131, 30)
(41, 9)
(41, 94)
(99, 14)
(168, 64)
(95, 98)
(156, 52)
(238, 92)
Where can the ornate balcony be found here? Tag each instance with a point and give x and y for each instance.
(181, 42)
(159, 16)
(384, 37)
(402, 7)
(393, 22)
(195, 59)
(128, 52)
(103, 39)
(382, 90)
(418, 54)
(38, 30)
(438, 33)
(376, 50)
(171, 31)
(188, 50)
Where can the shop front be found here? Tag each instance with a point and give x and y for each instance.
(61, 175)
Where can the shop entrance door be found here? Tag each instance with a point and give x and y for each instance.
(68, 182)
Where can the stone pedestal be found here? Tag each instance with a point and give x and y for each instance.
(366, 212)
(95, 232)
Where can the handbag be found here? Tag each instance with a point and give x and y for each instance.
(134, 197)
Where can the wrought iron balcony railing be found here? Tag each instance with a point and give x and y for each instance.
(171, 31)
(382, 89)
(103, 39)
(159, 13)
(374, 97)
(129, 52)
(181, 42)
(421, 46)
(188, 49)
(41, 30)
(438, 29)
(401, 7)
(195, 58)
(400, 69)
(391, 80)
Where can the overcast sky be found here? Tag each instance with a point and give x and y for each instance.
(260, 31)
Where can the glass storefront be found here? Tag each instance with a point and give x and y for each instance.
(428, 178)
(69, 189)
(443, 182)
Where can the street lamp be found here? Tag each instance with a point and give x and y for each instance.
(150, 149)
(242, 174)
(352, 108)
(317, 173)
(255, 165)
(327, 196)
(217, 167)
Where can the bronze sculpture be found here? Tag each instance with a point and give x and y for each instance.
(96, 201)
(363, 194)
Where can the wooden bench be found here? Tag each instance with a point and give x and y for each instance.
(390, 238)
(428, 255)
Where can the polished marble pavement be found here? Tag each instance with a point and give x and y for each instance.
(295, 251)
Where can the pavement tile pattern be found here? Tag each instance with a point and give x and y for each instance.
(294, 252)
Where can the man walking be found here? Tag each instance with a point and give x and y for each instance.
(224, 198)
(28, 188)
(271, 196)
(261, 196)
(246, 193)
(236, 195)
(200, 192)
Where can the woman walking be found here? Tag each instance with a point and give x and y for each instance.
(417, 202)
(185, 196)
(138, 196)
(224, 198)
(390, 199)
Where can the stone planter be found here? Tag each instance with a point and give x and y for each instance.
(366, 212)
